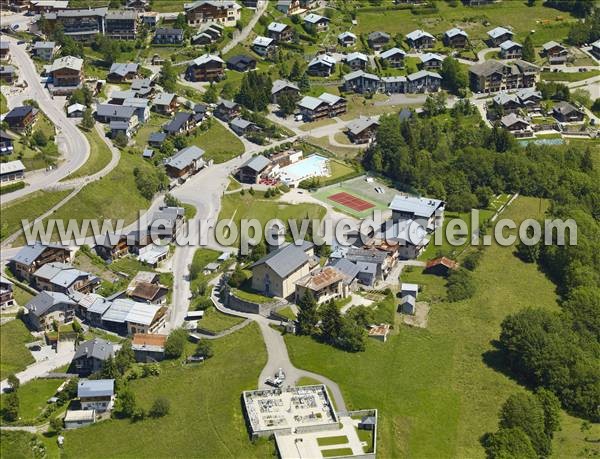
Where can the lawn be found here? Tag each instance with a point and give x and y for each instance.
(569, 76)
(14, 356)
(218, 142)
(100, 156)
(287, 312)
(33, 397)
(328, 441)
(233, 184)
(336, 452)
(452, 396)
(22, 296)
(216, 321)
(340, 152)
(114, 196)
(205, 418)
(307, 127)
(154, 124)
(251, 296)
(548, 23)
(27, 208)
(19, 445)
(236, 206)
(3, 104)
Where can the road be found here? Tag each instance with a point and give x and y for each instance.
(260, 9)
(71, 142)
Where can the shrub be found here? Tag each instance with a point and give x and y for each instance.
(12, 187)
(175, 344)
(160, 408)
(460, 285)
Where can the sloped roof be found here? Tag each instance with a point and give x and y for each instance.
(310, 103)
(112, 110)
(96, 348)
(11, 166)
(420, 207)
(511, 119)
(262, 41)
(277, 27)
(313, 18)
(96, 388)
(257, 163)
(498, 32)
(392, 52)
(67, 62)
(286, 259)
(183, 158)
(422, 74)
(43, 301)
(431, 57)
(321, 278)
(29, 253)
(360, 124)
(278, 85)
(357, 55)
(206, 58)
(345, 35)
(508, 44)
(418, 34)
(455, 31)
(123, 69)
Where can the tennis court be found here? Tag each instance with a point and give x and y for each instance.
(354, 203)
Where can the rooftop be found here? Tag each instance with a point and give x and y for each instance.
(420, 207)
(96, 388)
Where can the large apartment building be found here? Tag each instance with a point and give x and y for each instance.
(121, 24)
(493, 76)
(85, 24)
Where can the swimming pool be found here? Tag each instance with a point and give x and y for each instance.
(551, 141)
(313, 166)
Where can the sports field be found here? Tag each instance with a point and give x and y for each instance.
(357, 197)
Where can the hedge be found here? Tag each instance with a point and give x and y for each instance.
(12, 187)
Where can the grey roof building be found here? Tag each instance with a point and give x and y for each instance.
(46, 307)
(183, 160)
(90, 356)
(286, 259)
(96, 388)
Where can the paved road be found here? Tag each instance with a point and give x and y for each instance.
(260, 9)
(72, 143)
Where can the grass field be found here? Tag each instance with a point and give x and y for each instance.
(3, 104)
(154, 124)
(216, 321)
(569, 76)
(205, 417)
(328, 441)
(340, 152)
(18, 445)
(33, 396)
(14, 356)
(100, 156)
(548, 23)
(336, 452)
(28, 208)
(435, 392)
(236, 206)
(218, 142)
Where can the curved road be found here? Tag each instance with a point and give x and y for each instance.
(71, 141)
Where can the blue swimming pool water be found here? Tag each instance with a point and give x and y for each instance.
(308, 167)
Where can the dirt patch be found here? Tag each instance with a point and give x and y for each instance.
(420, 318)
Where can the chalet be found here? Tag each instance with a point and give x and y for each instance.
(165, 103)
(492, 75)
(349, 271)
(316, 21)
(156, 139)
(47, 6)
(326, 105)
(164, 36)
(4, 51)
(499, 35)
(276, 273)
(97, 395)
(428, 212)
(322, 65)
(227, 110)
(564, 112)
(182, 122)
(289, 7)
(111, 246)
(408, 298)
(441, 266)
(263, 46)
(118, 97)
(207, 67)
(121, 24)
(64, 278)
(67, 74)
(142, 109)
(120, 72)
(126, 317)
(357, 61)
(76, 110)
(595, 50)
(251, 170)
(148, 347)
(529, 98)
(11, 171)
(555, 52)
(167, 221)
(206, 35)
(377, 40)
(138, 5)
(79, 24)
(419, 39)
(431, 61)
(369, 272)
(142, 87)
(91, 355)
(31, 257)
(201, 111)
(393, 57)
(185, 162)
(362, 130)
(7, 74)
(242, 127)
(6, 293)
(20, 118)
(456, 38)
(6, 143)
(517, 125)
(361, 82)
(43, 50)
(346, 39)
(149, 18)
(510, 50)
(126, 128)
(423, 81)
(47, 307)
(280, 32)
(506, 103)
(148, 292)
(373, 264)
(281, 87)
(324, 284)
(241, 63)
(105, 113)
(222, 12)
